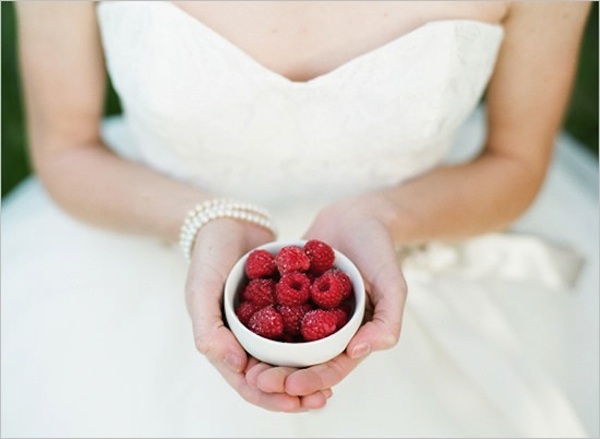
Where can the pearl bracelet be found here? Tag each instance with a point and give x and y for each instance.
(219, 208)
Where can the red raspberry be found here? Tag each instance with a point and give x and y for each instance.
(292, 289)
(288, 338)
(321, 256)
(347, 306)
(292, 258)
(317, 324)
(341, 317)
(327, 291)
(292, 316)
(260, 263)
(245, 310)
(260, 292)
(267, 323)
(345, 279)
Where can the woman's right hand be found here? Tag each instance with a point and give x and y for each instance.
(219, 244)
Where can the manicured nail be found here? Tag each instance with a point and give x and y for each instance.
(360, 351)
(234, 362)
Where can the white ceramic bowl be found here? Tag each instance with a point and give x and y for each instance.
(301, 354)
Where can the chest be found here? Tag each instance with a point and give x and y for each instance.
(302, 40)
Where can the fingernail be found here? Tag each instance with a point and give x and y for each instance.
(360, 351)
(327, 392)
(233, 361)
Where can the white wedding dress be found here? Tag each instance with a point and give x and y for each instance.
(500, 336)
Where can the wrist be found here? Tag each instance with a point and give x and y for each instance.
(378, 206)
(209, 211)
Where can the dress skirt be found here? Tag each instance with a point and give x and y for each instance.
(500, 335)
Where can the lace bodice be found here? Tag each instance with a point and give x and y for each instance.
(199, 108)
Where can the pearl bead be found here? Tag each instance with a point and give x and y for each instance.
(210, 210)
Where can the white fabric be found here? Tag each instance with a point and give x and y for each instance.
(500, 336)
(235, 127)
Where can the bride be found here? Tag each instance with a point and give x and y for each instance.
(356, 123)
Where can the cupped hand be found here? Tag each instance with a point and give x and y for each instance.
(354, 228)
(219, 244)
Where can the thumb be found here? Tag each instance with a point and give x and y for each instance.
(387, 290)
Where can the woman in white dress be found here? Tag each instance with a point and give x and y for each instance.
(350, 122)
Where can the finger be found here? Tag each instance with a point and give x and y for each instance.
(221, 347)
(213, 339)
(254, 371)
(204, 295)
(279, 402)
(273, 379)
(387, 289)
(314, 401)
(274, 402)
(251, 363)
(320, 377)
(327, 392)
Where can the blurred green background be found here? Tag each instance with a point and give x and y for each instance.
(581, 120)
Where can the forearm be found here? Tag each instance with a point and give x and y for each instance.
(95, 185)
(64, 84)
(526, 100)
(454, 202)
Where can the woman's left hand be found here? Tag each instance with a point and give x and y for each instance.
(354, 228)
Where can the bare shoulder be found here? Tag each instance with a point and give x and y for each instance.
(62, 69)
(532, 79)
(48, 26)
(549, 10)
(553, 15)
(544, 33)
(49, 10)
(42, 16)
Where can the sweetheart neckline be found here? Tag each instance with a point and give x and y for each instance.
(353, 62)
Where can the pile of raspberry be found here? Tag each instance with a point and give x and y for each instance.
(296, 295)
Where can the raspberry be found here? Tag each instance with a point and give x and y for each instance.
(292, 258)
(288, 338)
(321, 256)
(345, 279)
(317, 324)
(267, 322)
(296, 295)
(260, 292)
(245, 310)
(292, 316)
(327, 291)
(341, 317)
(292, 289)
(260, 263)
(347, 306)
